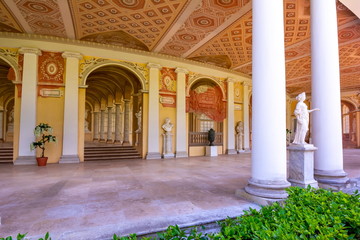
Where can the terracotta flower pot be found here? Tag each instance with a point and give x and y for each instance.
(41, 161)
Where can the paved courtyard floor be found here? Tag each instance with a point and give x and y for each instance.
(94, 200)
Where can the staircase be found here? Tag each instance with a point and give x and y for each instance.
(98, 153)
(6, 155)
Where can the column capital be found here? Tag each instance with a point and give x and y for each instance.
(181, 70)
(109, 107)
(35, 51)
(231, 80)
(126, 100)
(154, 65)
(246, 83)
(72, 55)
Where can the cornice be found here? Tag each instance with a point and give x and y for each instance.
(71, 55)
(116, 48)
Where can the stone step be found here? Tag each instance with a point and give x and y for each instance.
(6, 155)
(106, 152)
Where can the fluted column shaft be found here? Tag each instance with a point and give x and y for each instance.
(126, 121)
(109, 125)
(102, 125)
(96, 126)
(117, 123)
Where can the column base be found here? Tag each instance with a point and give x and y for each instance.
(336, 180)
(25, 160)
(231, 151)
(168, 155)
(109, 141)
(127, 143)
(117, 142)
(181, 154)
(241, 193)
(69, 159)
(153, 155)
(247, 150)
(102, 140)
(267, 188)
(95, 139)
(240, 151)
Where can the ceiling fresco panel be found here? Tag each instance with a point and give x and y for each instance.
(144, 20)
(43, 16)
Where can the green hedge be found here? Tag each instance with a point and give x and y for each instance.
(306, 214)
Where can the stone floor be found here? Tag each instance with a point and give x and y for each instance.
(94, 200)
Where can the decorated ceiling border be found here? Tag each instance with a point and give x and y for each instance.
(116, 48)
(88, 64)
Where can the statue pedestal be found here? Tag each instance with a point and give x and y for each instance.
(301, 165)
(167, 146)
(211, 151)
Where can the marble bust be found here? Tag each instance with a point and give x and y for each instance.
(302, 115)
(167, 126)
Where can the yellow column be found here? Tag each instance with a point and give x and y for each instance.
(28, 105)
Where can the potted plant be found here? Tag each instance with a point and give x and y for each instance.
(43, 133)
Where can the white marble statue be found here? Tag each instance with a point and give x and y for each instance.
(167, 139)
(239, 136)
(167, 126)
(86, 126)
(138, 116)
(302, 115)
(11, 121)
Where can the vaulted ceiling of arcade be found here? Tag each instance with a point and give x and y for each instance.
(217, 32)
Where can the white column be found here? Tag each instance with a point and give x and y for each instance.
(96, 126)
(1, 125)
(327, 135)
(117, 123)
(109, 126)
(102, 125)
(246, 113)
(153, 122)
(268, 175)
(230, 118)
(28, 105)
(181, 131)
(126, 122)
(71, 109)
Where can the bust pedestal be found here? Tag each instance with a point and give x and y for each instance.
(167, 145)
(301, 165)
(211, 151)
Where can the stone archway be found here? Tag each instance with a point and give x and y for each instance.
(113, 102)
(349, 125)
(7, 111)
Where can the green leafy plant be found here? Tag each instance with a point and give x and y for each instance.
(22, 237)
(43, 132)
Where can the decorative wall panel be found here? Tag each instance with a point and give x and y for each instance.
(51, 67)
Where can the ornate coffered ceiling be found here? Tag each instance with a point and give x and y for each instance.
(218, 32)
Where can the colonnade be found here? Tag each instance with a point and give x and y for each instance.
(269, 168)
(121, 133)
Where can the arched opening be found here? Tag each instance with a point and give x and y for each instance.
(7, 111)
(207, 109)
(348, 114)
(113, 116)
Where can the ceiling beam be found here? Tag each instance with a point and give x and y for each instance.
(19, 17)
(190, 8)
(235, 17)
(67, 19)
